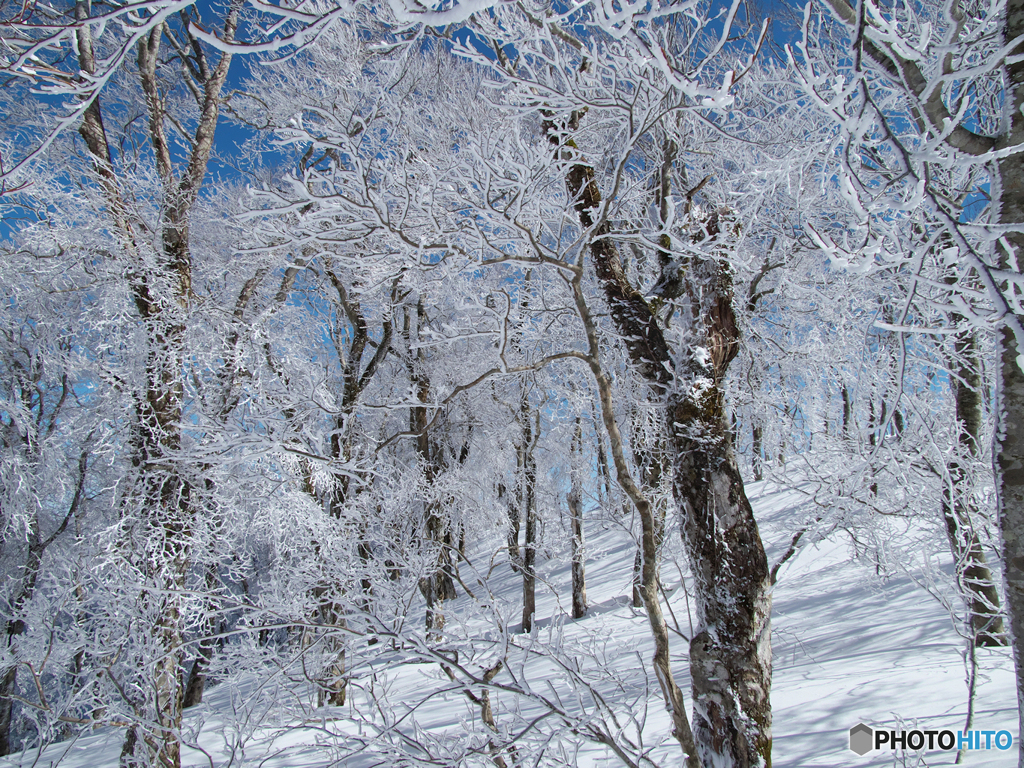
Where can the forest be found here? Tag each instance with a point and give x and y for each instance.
(331, 330)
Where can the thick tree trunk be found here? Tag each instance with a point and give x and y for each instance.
(731, 653)
(196, 684)
(167, 686)
(1010, 404)
(334, 685)
(730, 656)
(1010, 463)
(161, 290)
(7, 687)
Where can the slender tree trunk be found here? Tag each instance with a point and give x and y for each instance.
(847, 411)
(661, 662)
(872, 442)
(438, 585)
(755, 449)
(579, 575)
(515, 557)
(638, 575)
(575, 502)
(973, 575)
(604, 476)
(530, 514)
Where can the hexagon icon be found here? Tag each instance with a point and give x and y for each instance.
(861, 737)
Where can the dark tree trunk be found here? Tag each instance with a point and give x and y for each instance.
(755, 449)
(731, 653)
(515, 557)
(872, 441)
(847, 411)
(575, 502)
(638, 566)
(7, 688)
(1010, 405)
(530, 544)
(527, 513)
(732, 720)
(207, 645)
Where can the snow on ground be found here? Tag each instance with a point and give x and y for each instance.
(848, 648)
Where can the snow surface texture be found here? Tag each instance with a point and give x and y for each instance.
(849, 647)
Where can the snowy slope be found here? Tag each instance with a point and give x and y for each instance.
(848, 648)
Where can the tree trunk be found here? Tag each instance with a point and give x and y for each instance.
(575, 502)
(334, 684)
(671, 692)
(7, 688)
(755, 450)
(167, 686)
(731, 654)
(638, 568)
(847, 411)
(973, 575)
(530, 514)
(515, 557)
(207, 645)
(872, 442)
(529, 420)
(1010, 404)
(438, 585)
(161, 289)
